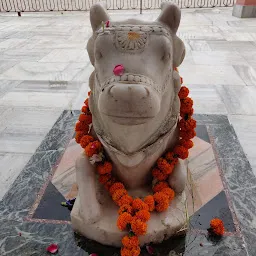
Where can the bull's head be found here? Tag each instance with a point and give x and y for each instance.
(141, 99)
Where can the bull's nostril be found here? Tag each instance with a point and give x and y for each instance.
(109, 90)
(147, 90)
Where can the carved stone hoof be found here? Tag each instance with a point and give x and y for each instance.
(177, 180)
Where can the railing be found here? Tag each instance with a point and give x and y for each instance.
(84, 5)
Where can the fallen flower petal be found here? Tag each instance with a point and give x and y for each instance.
(93, 254)
(217, 227)
(53, 248)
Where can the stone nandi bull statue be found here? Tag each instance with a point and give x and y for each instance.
(135, 117)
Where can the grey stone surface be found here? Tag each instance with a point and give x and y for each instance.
(244, 11)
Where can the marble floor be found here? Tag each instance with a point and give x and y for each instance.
(44, 71)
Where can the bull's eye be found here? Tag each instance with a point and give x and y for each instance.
(98, 55)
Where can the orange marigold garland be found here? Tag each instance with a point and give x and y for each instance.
(104, 168)
(134, 213)
(130, 241)
(124, 220)
(150, 202)
(138, 227)
(135, 251)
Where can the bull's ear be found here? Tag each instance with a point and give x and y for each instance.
(98, 13)
(170, 16)
(179, 51)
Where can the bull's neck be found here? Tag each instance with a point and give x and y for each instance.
(133, 169)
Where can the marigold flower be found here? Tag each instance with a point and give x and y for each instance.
(181, 152)
(125, 208)
(85, 118)
(124, 220)
(104, 168)
(103, 179)
(93, 148)
(86, 102)
(187, 114)
(160, 185)
(161, 201)
(118, 194)
(79, 136)
(217, 227)
(149, 200)
(130, 241)
(188, 135)
(186, 103)
(126, 199)
(143, 215)
(169, 192)
(135, 251)
(138, 227)
(159, 175)
(183, 93)
(164, 166)
(115, 186)
(86, 139)
(186, 143)
(86, 110)
(138, 204)
(187, 125)
(171, 159)
(109, 183)
(82, 127)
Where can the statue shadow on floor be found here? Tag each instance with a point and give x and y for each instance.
(174, 246)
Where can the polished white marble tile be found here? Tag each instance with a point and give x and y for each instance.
(198, 45)
(199, 35)
(11, 43)
(242, 23)
(20, 142)
(210, 74)
(19, 118)
(239, 100)
(207, 100)
(22, 128)
(80, 97)
(231, 46)
(250, 57)
(6, 86)
(84, 74)
(218, 58)
(66, 55)
(10, 165)
(238, 36)
(24, 54)
(6, 64)
(37, 99)
(37, 71)
(48, 86)
(247, 73)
